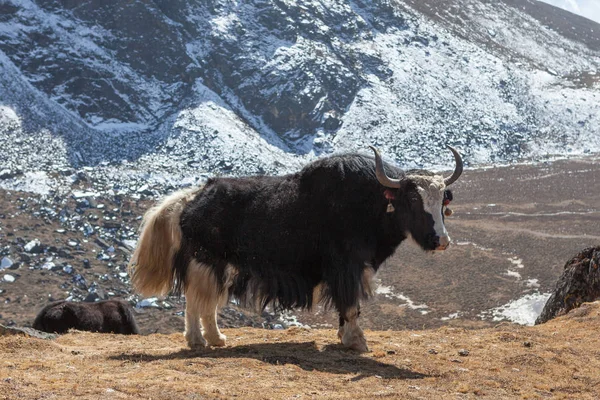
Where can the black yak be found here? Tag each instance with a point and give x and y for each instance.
(316, 235)
(109, 316)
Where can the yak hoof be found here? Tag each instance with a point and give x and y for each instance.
(354, 340)
(358, 343)
(194, 341)
(217, 341)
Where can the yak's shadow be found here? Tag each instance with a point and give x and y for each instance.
(333, 358)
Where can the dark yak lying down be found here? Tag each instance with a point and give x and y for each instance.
(109, 316)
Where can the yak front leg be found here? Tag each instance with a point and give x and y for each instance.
(210, 329)
(349, 332)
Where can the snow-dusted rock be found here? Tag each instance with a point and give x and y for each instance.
(33, 246)
(149, 302)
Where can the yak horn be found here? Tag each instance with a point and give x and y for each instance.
(380, 173)
(457, 170)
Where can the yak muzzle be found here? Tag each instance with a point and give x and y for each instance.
(442, 242)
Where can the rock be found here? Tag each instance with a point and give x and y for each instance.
(79, 280)
(149, 302)
(65, 253)
(15, 266)
(578, 284)
(95, 296)
(9, 174)
(463, 352)
(86, 263)
(34, 247)
(13, 330)
(129, 244)
(24, 257)
(112, 224)
(6, 263)
(102, 243)
(8, 278)
(48, 265)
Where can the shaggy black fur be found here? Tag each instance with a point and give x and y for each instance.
(110, 316)
(285, 235)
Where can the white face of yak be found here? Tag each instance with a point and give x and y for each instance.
(431, 189)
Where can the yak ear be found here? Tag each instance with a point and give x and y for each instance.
(448, 195)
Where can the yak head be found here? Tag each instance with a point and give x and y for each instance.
(421, 196)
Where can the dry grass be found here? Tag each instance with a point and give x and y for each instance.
(559, 360)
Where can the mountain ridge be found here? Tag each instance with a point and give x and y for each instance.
(187, 88)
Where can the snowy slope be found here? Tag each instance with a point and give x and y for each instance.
(159, 93)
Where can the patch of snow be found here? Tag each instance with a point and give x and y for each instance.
(452, 316)
(467, 243)
(513, 274)
(290, 319)
(517, 262)
(388, 292)
(522, 311)
(78, 194)
(532, 283)
(35, 182)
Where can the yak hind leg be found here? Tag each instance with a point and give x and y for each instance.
(192, 332)
(350, 332)
(203, 295)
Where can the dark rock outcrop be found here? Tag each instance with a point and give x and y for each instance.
(579, 283)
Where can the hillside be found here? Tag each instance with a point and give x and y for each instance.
(513, 229)
(558, 360)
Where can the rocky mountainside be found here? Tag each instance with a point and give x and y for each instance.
(162, 92)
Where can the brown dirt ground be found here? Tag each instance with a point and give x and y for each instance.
(558, 360)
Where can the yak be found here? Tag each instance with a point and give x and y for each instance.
(108, 316)
(317, 235)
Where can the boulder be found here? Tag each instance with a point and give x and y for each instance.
(578, 284)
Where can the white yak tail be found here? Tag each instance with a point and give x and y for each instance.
(151, 267)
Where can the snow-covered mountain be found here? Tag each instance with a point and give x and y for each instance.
(166, 91)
